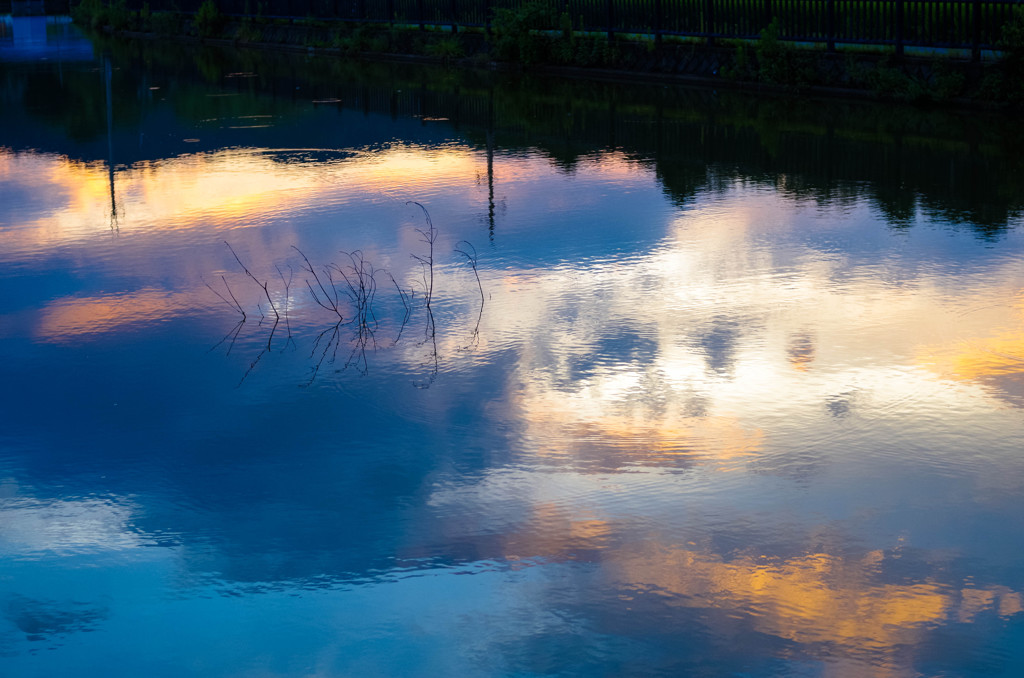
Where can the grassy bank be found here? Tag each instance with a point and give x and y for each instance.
(523, 38)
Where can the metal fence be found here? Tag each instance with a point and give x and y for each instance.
(33, 7)
(973, 25)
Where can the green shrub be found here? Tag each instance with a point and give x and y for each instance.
(889, 82)
(208, 20)
(741, 66)
(248, 31)
(360, 38)
(515, 36)
(165, 23)
(88, 13)
(779, 63)
(97, 14)
(447, 48)
(584, 51)
(1007, 83)
(947, 82)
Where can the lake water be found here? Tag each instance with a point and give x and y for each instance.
(707, 384)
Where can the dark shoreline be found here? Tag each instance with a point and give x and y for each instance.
(931, 81)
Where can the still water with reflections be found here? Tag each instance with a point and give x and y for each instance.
(739, 390)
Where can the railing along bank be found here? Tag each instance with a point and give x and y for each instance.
(970, 25)
(34, 7)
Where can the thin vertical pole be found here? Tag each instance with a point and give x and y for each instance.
(107, 77)
(490, 163)
(709, 21)
(976, 30)
(830, 26)
(657, 22)
(611, 17)
(899, 29)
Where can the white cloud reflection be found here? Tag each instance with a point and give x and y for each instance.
(32, 528)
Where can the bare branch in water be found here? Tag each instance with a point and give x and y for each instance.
(332, 343)
(287, 300)
(405, 302)
(472, 262)
(233, 303)
(256, 360)
(362, 288)
(262, 285)
(472, 258)
(330, 299)
(427, 266)
(233, 333)
(429, 236)
(265, 286)
(349, 291)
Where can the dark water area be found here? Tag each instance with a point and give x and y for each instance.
(333, 368)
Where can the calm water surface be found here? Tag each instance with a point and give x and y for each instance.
(739, 391)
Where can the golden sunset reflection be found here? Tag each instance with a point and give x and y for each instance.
(612, 430)
(72, 318)
(817, 598)
(860, 607)
(993, 356)
(215, 191)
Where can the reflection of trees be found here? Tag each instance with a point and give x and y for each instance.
(958, 167)
(75, 101)
(961, 168)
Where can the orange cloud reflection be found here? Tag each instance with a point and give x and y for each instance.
(813, 599)
(70, 318)
(555, 532)
(214, 191)
(611, 433)
(995, 361)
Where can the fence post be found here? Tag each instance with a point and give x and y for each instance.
(391, 13)
(657, 22)
(830, 24)
(455, 9)
(709, 21)
(976, 30)
(419, 10)
(487, 18)
(769, 15)
(899, 29)
(611, 18)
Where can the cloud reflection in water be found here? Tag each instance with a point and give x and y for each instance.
(712, 424)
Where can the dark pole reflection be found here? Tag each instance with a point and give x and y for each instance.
(107, 76)
(490, 163)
